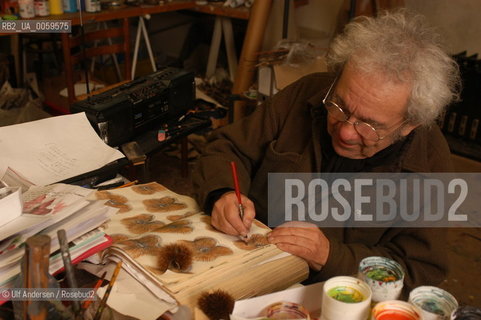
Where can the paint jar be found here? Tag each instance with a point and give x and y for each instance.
(435, 303)
(56, 7)
(69, 6)
(42, 8)
(92, 6)
(345, 298)
(26, 8)
(466, 313)
(384, 276)
(287, 310)
(395, 310)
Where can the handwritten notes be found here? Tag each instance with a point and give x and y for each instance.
(53, 149)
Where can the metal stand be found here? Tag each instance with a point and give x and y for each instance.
(142, 30)
(222, 25)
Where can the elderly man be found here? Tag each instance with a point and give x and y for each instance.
(375, 113)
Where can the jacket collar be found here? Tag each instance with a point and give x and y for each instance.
(316, 108)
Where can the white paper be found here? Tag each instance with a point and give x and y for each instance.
(308, 296)
(54, 149)
(10, 204)
(44, 206)
(21, 223)
(128, 296)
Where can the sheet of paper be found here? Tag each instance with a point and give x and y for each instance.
(53, 149)
(44, 206)
(128, 296)
(308, 296)
(10, 204)
(21, 223)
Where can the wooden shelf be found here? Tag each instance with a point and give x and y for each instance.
(134, 11)
(120, 13)
(219, 9)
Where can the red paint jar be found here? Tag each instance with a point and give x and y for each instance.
(395, 310)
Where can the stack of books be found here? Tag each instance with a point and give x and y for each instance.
(45, 210)
(35, 157)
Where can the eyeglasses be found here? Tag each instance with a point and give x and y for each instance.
(365, 130)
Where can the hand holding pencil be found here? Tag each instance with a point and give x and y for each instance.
(233, 212)
(238, 195)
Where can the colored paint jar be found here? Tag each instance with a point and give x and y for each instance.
(395, 310)
(345, 294)
(346, 298)
(384, 276)
(287, 310)
(26, 8)
(70, 5)
(42, 8)
(56, 7)
(435, 303)
(466, 313)
(92, 6)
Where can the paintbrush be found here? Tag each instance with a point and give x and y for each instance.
(238, 195)
(103, 302)
(39, 253)
(97, 285)
(216, 305)
(67, 262)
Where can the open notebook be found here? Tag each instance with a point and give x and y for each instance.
(151, 217)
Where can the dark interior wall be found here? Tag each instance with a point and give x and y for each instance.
(457, 21)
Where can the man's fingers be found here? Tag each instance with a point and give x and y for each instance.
(249, 213)
(306, 246)
(233, 217)
(303, 240)
(307, 233)
(295, 250)
(219, 222)
(226, 215)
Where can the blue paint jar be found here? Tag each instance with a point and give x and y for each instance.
(70, 6)
(435, 303)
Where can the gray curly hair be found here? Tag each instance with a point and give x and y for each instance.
(402, 47)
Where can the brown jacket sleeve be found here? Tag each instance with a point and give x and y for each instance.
(245, 141)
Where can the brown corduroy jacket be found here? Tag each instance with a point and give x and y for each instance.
(283, 135)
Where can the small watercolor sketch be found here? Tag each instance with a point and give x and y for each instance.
(43, 205)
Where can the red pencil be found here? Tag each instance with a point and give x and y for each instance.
(236, 181)
(238, 193)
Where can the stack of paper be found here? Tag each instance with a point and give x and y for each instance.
(34, 156)
(46, 210)
(10, 204)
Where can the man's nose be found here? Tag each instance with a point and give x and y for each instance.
(348, 133)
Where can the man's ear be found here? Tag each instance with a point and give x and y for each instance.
(407, 128)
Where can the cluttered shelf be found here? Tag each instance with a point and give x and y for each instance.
(129, 11)
(121, 13)
(125, 12)
(219, 9)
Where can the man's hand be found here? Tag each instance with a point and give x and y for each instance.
(304, 240)
(226, 218)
